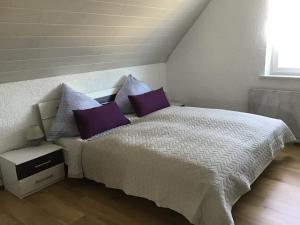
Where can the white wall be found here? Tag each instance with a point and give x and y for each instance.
(18, 100)
(221, 57)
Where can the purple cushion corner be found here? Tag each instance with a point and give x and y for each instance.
(149, 102)
(94, 121)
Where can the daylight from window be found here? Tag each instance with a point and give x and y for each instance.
(284, 36)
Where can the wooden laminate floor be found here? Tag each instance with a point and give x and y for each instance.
(274, 200)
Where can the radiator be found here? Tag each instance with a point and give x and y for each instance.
(279, 104)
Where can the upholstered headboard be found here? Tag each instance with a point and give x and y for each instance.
(48, 109)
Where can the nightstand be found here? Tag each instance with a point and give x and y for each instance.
(31, 169)
(177, 104)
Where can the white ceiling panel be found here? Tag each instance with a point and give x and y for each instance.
(40, 38)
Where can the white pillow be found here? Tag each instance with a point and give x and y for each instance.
(64, 124)
(131, 86)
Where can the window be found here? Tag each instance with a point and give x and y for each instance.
(283, 38)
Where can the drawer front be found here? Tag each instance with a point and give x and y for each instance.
(42, 179)
(39, 164)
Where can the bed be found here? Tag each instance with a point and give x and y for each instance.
(196, 161)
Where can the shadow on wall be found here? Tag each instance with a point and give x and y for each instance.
(217, 104)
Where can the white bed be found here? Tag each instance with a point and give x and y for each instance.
(196, 161)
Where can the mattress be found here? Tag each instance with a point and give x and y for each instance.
(72, 148)
(198, 162)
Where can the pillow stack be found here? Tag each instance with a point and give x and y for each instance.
(131, 86)
(136, 96)
(81, 115)
(64, 124)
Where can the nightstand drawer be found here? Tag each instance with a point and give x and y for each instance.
(39, 164)
(40, 180)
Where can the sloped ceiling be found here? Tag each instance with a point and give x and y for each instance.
(42, 38)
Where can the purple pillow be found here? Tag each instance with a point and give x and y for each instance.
(149, 102)
(97, 120)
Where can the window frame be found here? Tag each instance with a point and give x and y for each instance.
(275, 70)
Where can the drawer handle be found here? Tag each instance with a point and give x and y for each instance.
(42, 164)
(44, 179)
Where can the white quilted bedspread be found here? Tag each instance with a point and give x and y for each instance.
(195, 161)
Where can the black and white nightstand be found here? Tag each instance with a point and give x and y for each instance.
(31, 169)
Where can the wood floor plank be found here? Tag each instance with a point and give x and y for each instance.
(89, 220)
(64, 213)
(273, 200)
(25, 211)
(7, 219)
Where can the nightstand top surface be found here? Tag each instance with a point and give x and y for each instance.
(28, 153)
